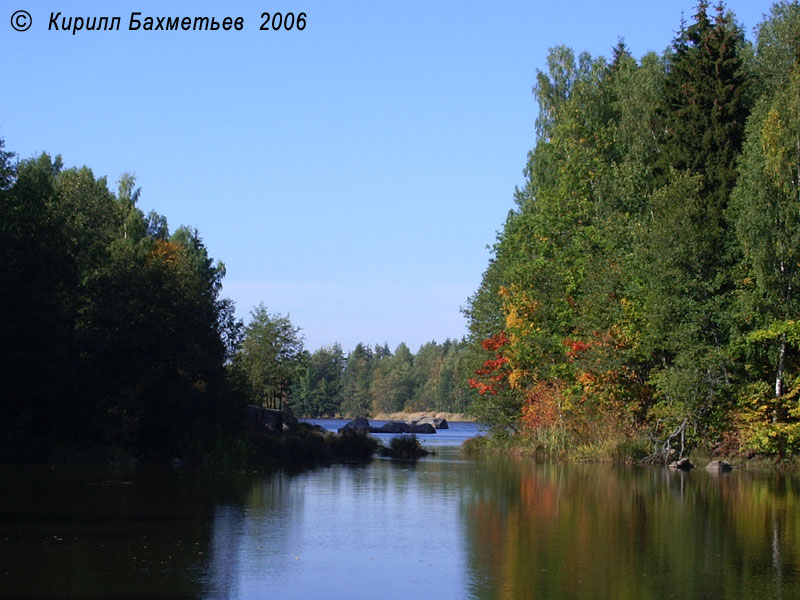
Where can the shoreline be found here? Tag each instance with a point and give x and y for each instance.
(699, 457)
(415, 416)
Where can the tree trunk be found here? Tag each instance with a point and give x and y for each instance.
(779, 379)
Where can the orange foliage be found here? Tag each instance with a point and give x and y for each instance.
(542, 407)
(494, 343)
(167, 253)
(495, 371)
(576, 348)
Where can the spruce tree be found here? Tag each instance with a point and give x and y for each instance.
(704, 107)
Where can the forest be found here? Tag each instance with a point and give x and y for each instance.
(118, 345)
(272, 368)
(640, 297)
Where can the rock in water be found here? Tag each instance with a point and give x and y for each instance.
(435, 421)
(682, 464)
(391, 427)
(718, 466)
(421, 428)
(357, 425)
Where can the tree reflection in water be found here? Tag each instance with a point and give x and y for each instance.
(557, 531)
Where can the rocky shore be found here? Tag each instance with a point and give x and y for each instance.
(417, 416)
(425, 425)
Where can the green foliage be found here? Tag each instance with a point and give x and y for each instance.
(757, 429)
(764, 209)
(687, 252)
(378, 381)
(405, 447)
(113, 339)
(777, 439)
(778, 45)
(270, 358)
(318, 391)
(351, 446)
(356, 382)
(646, 274)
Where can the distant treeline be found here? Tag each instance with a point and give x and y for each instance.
(643, 292)
(272, 368)
(375, 380)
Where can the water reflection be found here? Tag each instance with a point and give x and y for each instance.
(387, 528)
(556, 531)
(81, 532)
(446, 527)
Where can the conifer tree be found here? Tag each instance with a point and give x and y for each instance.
(687, 252)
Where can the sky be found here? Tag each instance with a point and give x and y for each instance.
(352, 175)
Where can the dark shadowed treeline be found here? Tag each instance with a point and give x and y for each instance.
(643, 286)
(114, 337)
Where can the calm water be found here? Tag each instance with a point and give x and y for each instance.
(445, 527)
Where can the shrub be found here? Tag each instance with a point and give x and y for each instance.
(405, 446)
(350, 445)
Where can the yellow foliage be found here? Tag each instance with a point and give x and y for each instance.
(167, 253)
(513, 320)
(515, 379)
(780, 135)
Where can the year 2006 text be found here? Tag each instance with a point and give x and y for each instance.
(283, 21)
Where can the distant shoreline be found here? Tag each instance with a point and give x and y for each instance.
(415, 416)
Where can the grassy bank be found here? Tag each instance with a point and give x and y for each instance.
(416, 416)
(558, 446)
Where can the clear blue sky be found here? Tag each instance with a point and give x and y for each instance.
(350, 175)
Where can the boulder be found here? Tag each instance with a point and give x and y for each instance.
(311, 428)
(391, 427)
(290, 422)
(435, 421)
(682, 465)
(400, 427)
(421, 428)
(718, 466)
(263, 419)
(357, 425)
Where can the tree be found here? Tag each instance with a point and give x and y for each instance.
(555, 273)
(611, 282)
(37, 291)
(766, 213)
(271, 356)
(686, 254)
(115, 336)
(357, 382)
(7, 167)
(319, 389)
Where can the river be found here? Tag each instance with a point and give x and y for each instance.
(443, 527)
